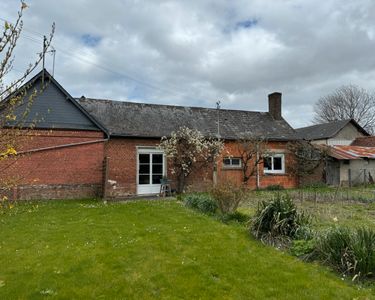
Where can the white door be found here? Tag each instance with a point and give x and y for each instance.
(151, 168)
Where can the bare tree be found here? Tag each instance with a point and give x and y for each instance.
(307, 158)
(347, 102)
(251, 150)
(16, 98)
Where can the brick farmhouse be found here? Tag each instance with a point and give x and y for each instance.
(93, 148)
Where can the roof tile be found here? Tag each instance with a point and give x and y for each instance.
(152, 120)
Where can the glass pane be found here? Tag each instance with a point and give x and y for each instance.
(226, 161)
(144, 179)
(157, 169)
(157, 158)
(235, 161)
(144, 158)
(156, 179)
(267, 163)
(277, 163)
(144, 169)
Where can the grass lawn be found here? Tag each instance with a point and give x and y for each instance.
(147, 250)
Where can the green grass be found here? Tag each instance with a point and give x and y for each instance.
(148, 250)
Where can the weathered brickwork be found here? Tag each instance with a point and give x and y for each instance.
(287, 179)
(57, 173)
(78, 171)
(122, 165)
(122, 168)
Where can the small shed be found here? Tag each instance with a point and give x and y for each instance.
(351, 165)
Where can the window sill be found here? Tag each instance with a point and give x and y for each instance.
(275, 174)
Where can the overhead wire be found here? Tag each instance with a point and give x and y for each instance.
(81, 57)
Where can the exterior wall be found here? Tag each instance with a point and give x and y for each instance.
(286, 180)
(320, 142)
(122, 169)
(359, 169)
(349, 132)
(69, 172)
(344, 137)
(121, 156)
(77, 171)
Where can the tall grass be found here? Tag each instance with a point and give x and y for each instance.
(278, 218)
(350, 251)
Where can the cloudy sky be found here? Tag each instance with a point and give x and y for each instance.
(198, 52)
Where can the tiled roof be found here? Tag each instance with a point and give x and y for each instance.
(352, 152)
(326, 130)
(365, 141)
(129, 119)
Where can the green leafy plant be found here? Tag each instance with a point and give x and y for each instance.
(315, 185)
(235, 217)
(201, 202)
(228, 196)
(302, 248)
(350, 251)
(278, 218)
(274, 187)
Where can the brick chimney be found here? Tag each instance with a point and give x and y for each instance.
(274, 105)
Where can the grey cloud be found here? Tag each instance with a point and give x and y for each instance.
(194, 52)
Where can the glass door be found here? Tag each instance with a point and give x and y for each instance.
(150, 171)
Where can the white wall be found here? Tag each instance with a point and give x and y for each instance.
(344, 137)
(357, 167)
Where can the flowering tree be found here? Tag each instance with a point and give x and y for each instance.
(15, 97)
(189, 150)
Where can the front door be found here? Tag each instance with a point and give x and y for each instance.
(151, 169)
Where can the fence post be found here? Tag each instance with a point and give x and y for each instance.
(350, 177)
(364, 176)
(316, 197)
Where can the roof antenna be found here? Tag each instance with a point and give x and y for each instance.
(44, 54)
(218, 118)
(53, 52)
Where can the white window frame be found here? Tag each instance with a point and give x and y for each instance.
(231, 166)
(282, 171)
(149, 189)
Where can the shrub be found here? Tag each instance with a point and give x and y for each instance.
(278, 218)
(351, 252)
(228, 196)
(315, 185)
(274, 187)
(236, 216)
(201, 202)
(302, 248)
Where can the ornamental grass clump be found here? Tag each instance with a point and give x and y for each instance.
(278, 220)
(350, 251)
(201, 202)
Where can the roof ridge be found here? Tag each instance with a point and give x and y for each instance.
(171, 105)
(322, 124)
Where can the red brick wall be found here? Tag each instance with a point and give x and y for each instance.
(69, 172)
(77, 171)
(287, 180)
(122, 164)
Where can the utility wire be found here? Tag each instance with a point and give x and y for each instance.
(88, 61)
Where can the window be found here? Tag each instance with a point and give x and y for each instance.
(274, 164)
(232, 162)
